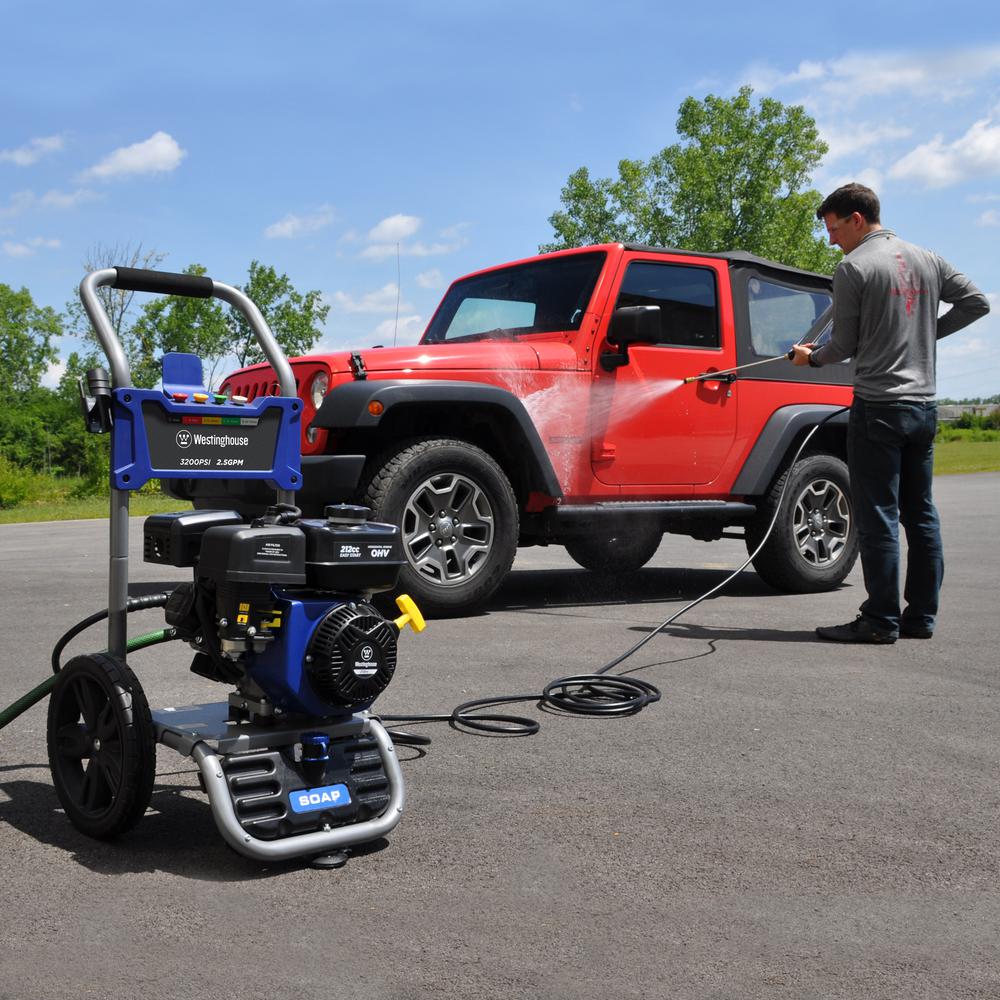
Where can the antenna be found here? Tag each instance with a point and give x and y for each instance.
(395, 325)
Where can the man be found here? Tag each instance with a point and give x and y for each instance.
(885, 315)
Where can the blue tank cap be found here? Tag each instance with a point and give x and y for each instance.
(315, 746)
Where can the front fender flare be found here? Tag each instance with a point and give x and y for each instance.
(346, 406)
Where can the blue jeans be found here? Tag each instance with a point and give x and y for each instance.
(890, 454)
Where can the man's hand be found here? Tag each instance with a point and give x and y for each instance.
(801, 354)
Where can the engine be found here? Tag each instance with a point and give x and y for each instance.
(281, 607)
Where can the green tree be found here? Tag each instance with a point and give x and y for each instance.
(294, 318)
(738, 180)
(27, 332)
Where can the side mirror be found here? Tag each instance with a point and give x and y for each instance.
(630, 325)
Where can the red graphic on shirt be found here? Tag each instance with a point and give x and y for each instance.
(908, 288)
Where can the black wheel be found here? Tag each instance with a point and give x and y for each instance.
(814, 544)
(458, 518)
(101, 745)
(620, 551)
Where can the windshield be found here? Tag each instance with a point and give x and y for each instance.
(544, 296)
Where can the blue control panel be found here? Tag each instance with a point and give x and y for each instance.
(204, 436)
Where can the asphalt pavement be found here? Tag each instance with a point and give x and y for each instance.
(792, 820)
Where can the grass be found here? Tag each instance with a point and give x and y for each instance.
(966, 455)
(66, 509)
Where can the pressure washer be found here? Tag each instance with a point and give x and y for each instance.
(280, 609)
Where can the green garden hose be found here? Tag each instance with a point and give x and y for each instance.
(35, 695)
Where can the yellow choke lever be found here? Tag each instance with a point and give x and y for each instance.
(411, 614)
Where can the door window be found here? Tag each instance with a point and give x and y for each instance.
(686, 296)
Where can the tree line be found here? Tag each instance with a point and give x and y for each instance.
(41, 429)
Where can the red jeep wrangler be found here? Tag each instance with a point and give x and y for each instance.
(542, 406)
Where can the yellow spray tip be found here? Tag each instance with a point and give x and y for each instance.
(411, 614)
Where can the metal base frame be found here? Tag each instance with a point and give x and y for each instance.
(206, 734)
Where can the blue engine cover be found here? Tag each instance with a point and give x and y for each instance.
(352, 649)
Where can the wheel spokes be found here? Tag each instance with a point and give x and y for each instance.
(73, 742)
(447, 528)
(821, 522)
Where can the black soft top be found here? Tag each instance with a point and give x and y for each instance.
(734, 257)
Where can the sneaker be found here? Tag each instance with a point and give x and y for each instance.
(859, 630)
(908, 631)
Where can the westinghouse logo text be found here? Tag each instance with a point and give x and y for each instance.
(221, 440)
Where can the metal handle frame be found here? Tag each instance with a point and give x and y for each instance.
(121, 378)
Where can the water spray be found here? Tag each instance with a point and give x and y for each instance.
(731, 372)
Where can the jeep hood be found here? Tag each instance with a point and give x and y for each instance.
(419, 358)
(423, 360)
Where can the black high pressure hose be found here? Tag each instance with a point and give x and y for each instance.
(132, 604)
(593, 694)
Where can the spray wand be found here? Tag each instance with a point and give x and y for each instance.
(714, 376)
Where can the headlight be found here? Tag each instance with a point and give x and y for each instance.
(319, 388)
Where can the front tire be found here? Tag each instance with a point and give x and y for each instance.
(458, 520)
(814, 544)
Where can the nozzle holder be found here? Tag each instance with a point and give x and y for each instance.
(96, 407)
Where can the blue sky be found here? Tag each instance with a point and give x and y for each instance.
(316, 136)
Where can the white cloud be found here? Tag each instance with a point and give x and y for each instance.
(991, 217)
(430, 279)
(394, 228)
(940, 164)
(32, 151)
(382, 300)
(17, 203)
(839, 83)
(22, 201)
(764, 78)
(28, 248)
(963, 348)
(158, 154)
(575, 104)
(67, 199)
(869, 176)
(407, 331)
(292, 226)
(853, 137)
(379, 251)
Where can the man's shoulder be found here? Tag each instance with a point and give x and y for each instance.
(882, 247)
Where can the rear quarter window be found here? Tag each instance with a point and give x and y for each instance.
(781, 316)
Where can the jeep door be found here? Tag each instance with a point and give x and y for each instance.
(649, 429)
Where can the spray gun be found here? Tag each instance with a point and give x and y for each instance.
(729, 374)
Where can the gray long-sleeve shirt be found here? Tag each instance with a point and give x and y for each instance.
(885, 315)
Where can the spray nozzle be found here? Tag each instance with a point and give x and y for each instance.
(727, 377)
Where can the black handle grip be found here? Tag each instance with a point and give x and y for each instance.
(132, 279)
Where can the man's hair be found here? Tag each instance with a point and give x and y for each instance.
(849, 199)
